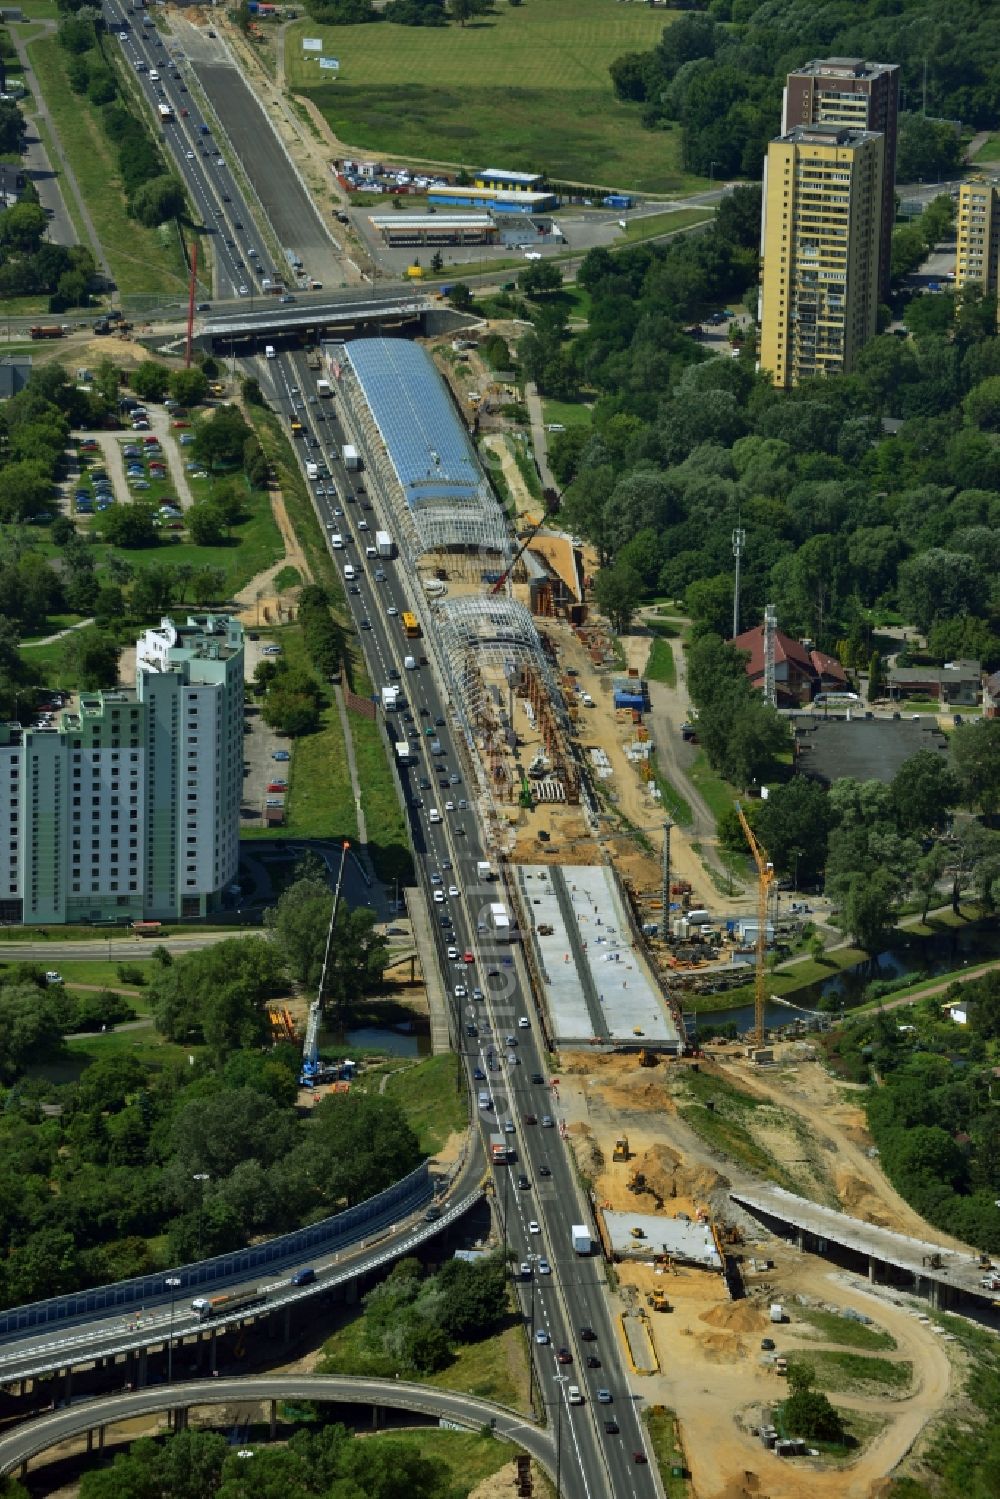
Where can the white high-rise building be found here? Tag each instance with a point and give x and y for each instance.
(127, 806)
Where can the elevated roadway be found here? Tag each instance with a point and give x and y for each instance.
(943, 1273)
(35, 1437)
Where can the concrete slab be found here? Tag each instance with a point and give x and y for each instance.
(598, 987)
(691, 1243)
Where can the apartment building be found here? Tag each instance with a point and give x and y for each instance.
(127, 806)
(820, 250)
(977, 236)
(863, 95)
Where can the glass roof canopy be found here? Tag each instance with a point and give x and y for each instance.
(446, 496)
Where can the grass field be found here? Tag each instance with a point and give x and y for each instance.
(834, 1329)
(652, 225)
(664, 1438)
(142, 261)
(784, 981)
(989, 151)
(570, 413)
(526, 88)
(853, 1371)
(430, 1096)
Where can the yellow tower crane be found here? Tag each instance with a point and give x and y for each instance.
(765, 875)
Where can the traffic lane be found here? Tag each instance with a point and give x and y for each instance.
(290, 211)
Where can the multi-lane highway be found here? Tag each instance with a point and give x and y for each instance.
(603, 1444)
(241, 256)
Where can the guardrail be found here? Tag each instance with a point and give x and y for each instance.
(330, 1233)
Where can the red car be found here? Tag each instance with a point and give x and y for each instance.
(151, 442)
(564, 1356)
(277, 786)
(180, 424)
(184, 114)
(468, 957)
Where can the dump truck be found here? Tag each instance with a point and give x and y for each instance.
(47, 330)
(580, 1239)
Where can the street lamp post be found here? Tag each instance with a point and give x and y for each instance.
(173, 1281)
(202, 1177)
(560, 1380)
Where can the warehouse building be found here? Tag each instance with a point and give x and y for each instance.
(434, 229)
(501, 180)
(501, 199)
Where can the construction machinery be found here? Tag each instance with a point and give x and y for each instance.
(659, 1301)
(621, 1150)
(313, 1070)
(765, 878)
(648, 1058)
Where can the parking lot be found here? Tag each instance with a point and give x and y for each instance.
(260, 746)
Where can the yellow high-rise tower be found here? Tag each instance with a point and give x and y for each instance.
(977, 250)
(820, 250)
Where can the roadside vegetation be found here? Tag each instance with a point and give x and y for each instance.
(432, 1099)
(104, 1135)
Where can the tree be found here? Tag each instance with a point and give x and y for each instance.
(217, 993)
(219, 440)
(460, 297)
(868, 902)
(794, 823)
(189, 387)
(91, 660)
(207, 524)
(982, 405)
(540, 278)
(22, 228)
(975, 749)
(808, 1413)
(158, 201)
(150, 380)
(926, 150)
(618, 590)
(923, 792)
(358, 1144)
(939, 584)
(130, 526)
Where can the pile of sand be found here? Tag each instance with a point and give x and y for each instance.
(735, 1316)
(857, 1198)
(670, 1176)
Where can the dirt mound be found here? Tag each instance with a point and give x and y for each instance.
(858, 1199)
(735, 1316)
(589, 1155)
(670, 1176)
(719, 1347)
(638, 1091)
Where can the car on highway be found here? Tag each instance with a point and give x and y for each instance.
(303, 1277)
(439, 900)
(564, 1356)
(542, 1337)
(508, 1126)
(525, 1270)
(547, 1121)
(461, 992)
(366, 624)
(453, 892)
(523, 1183)
(640, 1458)
(449, 806)
(534, 1227)
(530, 1119)
(392, 611)
(477, 993)
(544, 1170)
(593, 1362)
(588, 1334)
(611, 1427)
(523, 1023)
(544, 1268)
(479, 1075)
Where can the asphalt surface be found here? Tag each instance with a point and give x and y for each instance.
(36, 1436)
(572, 1296)
(240, 254)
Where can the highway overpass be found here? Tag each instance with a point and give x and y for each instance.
(92, 1418)
(348, 315)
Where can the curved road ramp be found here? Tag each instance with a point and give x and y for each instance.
(35, 1437)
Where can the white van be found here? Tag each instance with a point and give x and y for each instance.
(312, 470)
(337, 542)
(154, 76)
(370, 552)
(573, 1395)
(269, 351)
(410, 663)
(588, 701)
(350, 572)
(434, 815)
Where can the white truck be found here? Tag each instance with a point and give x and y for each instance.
(269, 351)
(352, 461)
(402, 752)
(390, 698)
(500, 921)
(384, 545)
(484, 870)
(312, 470)
(324, 388)
(580, 1239)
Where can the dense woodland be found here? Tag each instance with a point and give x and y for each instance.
(97, 1157)
(717, 74)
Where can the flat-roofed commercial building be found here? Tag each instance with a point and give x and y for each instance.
(820, 248)
(434, 228)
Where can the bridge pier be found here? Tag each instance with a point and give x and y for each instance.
(288, 1325)
(68, 1386)
(800, 1240)
(378, 1417)
(273, 1420)
(141, 1372)
(871, 1270)
(213, 1361)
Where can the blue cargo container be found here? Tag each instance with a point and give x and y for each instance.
(618, 200)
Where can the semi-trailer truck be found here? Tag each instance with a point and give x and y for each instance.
(229, 1301)
(352, 460)
(384, 545)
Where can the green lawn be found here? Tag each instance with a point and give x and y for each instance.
(834, 1329)
(676, 806)
(143, 261)
(569, 413)
(989, 152)
(664, 1438)
(524, 88)
(652, 225)
(718, 794)
(853, 1371)
(784, 981)
(660, 667)
(388, 835)
(100, 971)
(431, 1097)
